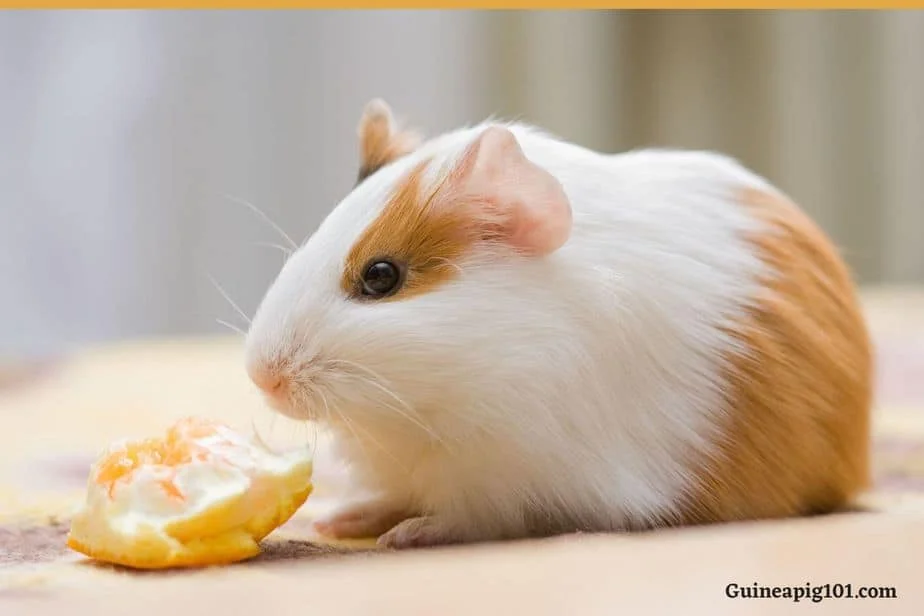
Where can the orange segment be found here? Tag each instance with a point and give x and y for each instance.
(237, 494)
(176, 448)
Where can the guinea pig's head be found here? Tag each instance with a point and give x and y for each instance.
(401, 306)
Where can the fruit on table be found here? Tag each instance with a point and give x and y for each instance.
(200, 495)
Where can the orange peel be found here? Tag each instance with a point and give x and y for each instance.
(200, 495)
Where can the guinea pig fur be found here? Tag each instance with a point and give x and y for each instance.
(510, 336)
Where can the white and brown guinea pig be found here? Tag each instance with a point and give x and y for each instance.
(513, 336)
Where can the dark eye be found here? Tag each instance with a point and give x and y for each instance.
(381, 278)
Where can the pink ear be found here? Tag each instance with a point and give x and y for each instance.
(516, 199)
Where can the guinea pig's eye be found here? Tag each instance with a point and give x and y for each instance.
(381, 279)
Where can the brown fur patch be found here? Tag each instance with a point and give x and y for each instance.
(380, 142)
(797, 437)
(425, 240)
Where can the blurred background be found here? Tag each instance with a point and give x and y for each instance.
(128, 140)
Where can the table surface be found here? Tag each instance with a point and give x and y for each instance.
(56, 417)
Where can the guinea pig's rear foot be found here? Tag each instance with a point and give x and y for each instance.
(363, 519)
(419, 532)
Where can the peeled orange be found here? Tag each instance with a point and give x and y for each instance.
(200, 495)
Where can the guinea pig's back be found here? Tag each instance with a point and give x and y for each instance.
(797, 379)
(791, 432)
(798, 393)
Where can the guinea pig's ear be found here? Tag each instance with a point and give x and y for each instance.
(380, 139)
(514, 200)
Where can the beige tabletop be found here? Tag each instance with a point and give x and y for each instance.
(56, 416)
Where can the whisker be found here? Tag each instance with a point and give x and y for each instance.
(378, 385)
(405, 414)
(304, 426)
(375, 442)
(229, 300)
(259, 438)
(286, 251)
(327, 414)
(351, 425)
(314, 441)
(265, 218)
(377, 378)
(448, 263)
(231, 326)
(346, 422)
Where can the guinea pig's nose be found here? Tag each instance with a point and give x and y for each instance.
(268, 380)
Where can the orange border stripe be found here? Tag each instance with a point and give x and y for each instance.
(458, 4)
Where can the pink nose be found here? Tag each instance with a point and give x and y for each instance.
(267, 380)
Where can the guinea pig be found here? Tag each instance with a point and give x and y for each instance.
(513, 336)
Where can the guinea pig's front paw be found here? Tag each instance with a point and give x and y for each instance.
(364, 519)
(420, 532)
